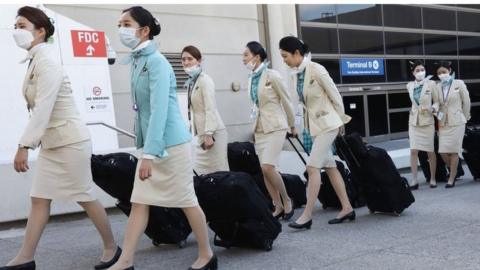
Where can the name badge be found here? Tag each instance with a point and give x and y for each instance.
(299, 115)
(253, 112)
(440, 116)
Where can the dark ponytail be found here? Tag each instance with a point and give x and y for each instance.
(291, 44)
(144, 18)
(444, 64)
(257, 49)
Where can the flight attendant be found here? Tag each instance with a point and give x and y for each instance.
(205, 121)
(421, 129)
(274, 117)
(164, 174)
(62, 170)
(453, 115)
(324, 118)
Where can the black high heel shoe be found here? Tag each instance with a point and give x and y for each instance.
(105, 265)
(305, 225)
(414, 187)
(24, 266)
(450, 185)
(130, 268)
(212, 264)
(350, 216)
(288, 216)
(279, 215)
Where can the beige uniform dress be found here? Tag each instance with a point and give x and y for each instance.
(206, 120)
(323, 112)
(453, 114)
(274, 116)
(421, 128)
(63, 167)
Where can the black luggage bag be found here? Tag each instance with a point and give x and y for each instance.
(236, 210)
(115, 174)
(381, 184)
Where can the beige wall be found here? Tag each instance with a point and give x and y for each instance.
(220, 31)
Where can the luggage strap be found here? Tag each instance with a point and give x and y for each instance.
(289, 136)
(355, 160)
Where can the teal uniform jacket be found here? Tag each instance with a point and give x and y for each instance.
(159, 123)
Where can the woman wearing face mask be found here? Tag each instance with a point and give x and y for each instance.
(453, 115)
(324, 118)
(274, 116)
(421, 122)
(164, 172)
(63, 166)
(205, 121)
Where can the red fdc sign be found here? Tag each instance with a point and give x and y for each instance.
(88, 43)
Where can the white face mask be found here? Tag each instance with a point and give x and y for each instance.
(444, 77)
(23, 38)
(250, 65)
(306, 58)
(419, 76)
(127, 37)
(192, 71)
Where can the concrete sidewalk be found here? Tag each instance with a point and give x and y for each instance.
(441, 230)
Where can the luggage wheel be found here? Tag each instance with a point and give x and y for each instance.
(155, 243)
(182, 244)
(268, 245)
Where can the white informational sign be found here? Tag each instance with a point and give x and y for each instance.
(83, 54)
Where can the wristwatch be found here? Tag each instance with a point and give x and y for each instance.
(20, 146)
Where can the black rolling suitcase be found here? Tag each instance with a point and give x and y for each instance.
(381, 184)
(243, 158)
(327, 195)
(115, 174)
(296, 189)
(441, 173)
(471, 153)
(236, 210)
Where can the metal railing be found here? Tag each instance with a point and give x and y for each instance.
(117, 129)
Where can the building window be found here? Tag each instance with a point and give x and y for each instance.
(403, 43)
(332, 66)
(402, 16)
(318, 13)
(474, 91)
(468, 45)
(399, 100)
(469, 22)
(175, 60)
(469, 69)
(360, 14)
(361, 42)
(439, 19)
(399, 122)
(398, 70)
(320, 40)
(440, 44)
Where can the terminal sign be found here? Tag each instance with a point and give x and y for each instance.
(362, 66)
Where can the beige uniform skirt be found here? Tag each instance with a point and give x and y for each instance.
(214, 159)
(421, 137)
(450, 138)
(321, 155)
(64, 173)
(171, 183)
(269, 146)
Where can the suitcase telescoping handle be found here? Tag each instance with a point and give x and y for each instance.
(195, 172)
(289, 138)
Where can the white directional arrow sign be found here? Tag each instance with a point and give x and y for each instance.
(90, 50)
